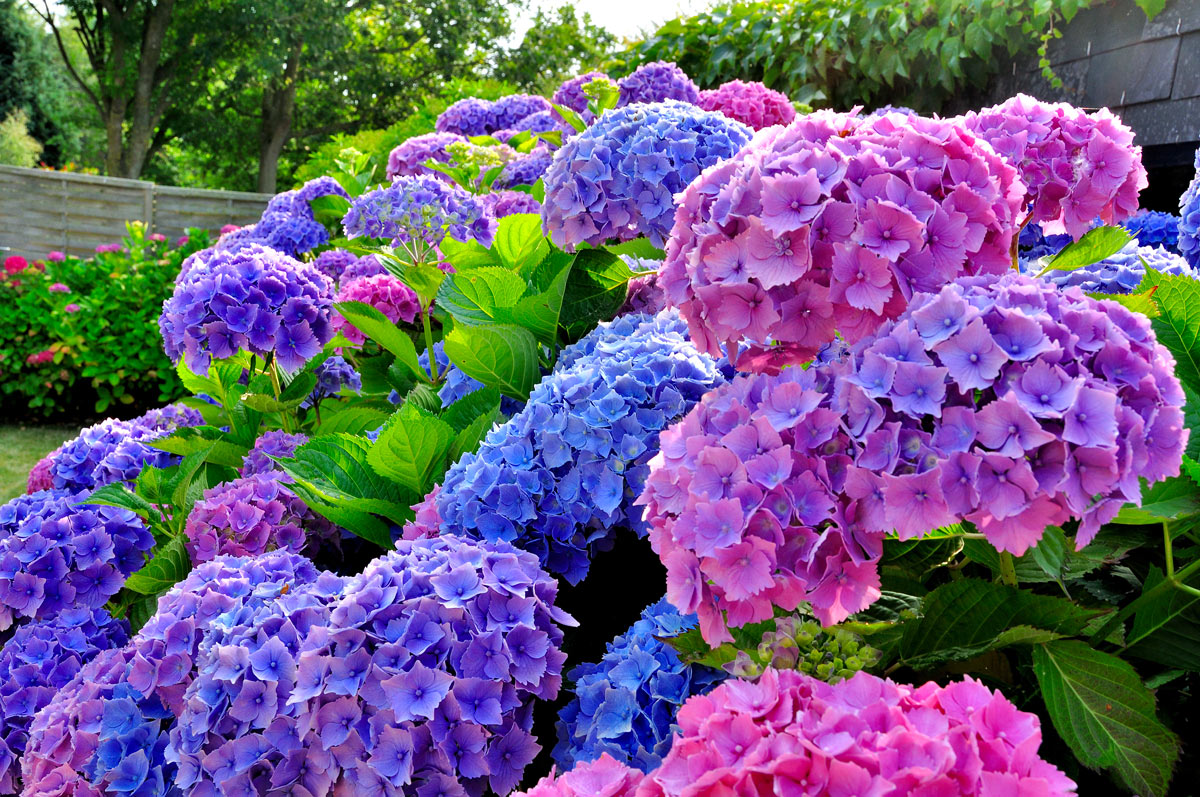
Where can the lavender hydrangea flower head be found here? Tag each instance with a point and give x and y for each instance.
(386, 293)
(559, 478)
(420, 672)
(744, 737)
(257, 300)
(117, 451)
(618, 179)
(56, 555)
(526, 169)
(752, 104)
(540, 122)
(1189, 219)
(275, 443)
(411, 156)
(467, 117)
(1076, 165)
(625, 704)
(247, 517)
(41, 476)
(570, 94)
(333, 376)
(657, 81)
(510, 112)
(509, 203)
(1119, 273)
(38, 660)
(367, 266)
(419, 209)
(332, 262)
(830, 225)
(1154, 228)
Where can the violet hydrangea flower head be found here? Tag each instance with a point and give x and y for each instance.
(526, 169)
(467, 117)
(333, 262)
(559, 478)
(618, 179)
(570, 94)
(510, 111)
(288, 223)
(657, 81)
(752, 104)
(366, 266)
(419, 209)
(420, 672)
(333, 376)
(643, 294)
(625, 704)
(1076, 165)
(1189, 218)
(411, 156)
(275, 443)
(256, 300)
(828, 226)
(386, 293)
(509, 203)
(38, 660)
(1154, 228)
(247, 517)
(1034, 243)
(1119, 273)
(57, 555)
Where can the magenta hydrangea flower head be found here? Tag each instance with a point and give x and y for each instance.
(1076, 166)
(106, 732)
(419, 209)
(467, 117)
(509, 203)
(411, 156)
(657, 81)
(828, 226)
(417, 675)
(618, 179)
(509, 112)
(603, 777)
(247, 517)
(256, 300)
(752, 104)
(386, 293)
(770, 736)
(41, 477)
(37, 661)
(57, 555)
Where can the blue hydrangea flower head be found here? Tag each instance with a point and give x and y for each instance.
(625, 704)
(512, 110)
(655, 82)
(467, 117)
(1034, 243)
(1189, 219)
(525, 170)
(1154, 228)
(288, 223)
(1119, 273)
(561, 475)
(618, 179)
(333, 375)
(457, 384)
(419, 208)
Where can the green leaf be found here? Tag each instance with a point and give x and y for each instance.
(638, 247)
(412, 448)
(1095, 245)
(464, 256)
(122, 497)
(1166, 628)
(967, 617)
(222, 448)
(540, 312)
(571, 117)
(1178, 324)
(266, 403)
(423, 397)
(1151, 8)
(1170, 499)
(1105, 714)
(376, 326)
(463, 412)
(500, 355)
(1142, 302)
(169, 566)
(519, 240)
(478, 296)
(354, 419)
(471, 435)
(595, 291)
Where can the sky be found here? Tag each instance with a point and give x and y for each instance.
(625, 18)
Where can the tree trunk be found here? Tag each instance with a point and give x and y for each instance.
(278, 108)
(147, 111)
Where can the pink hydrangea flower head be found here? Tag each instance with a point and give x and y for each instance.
(183, 239)
(830, 225)
(1076, 166)
(56, 256)
(157, 237)
(250, 516)
(604, 777)
(39, 357)
(386, 293)
(229, 228)
(750, 103)
(71, 308)
(59, 287)
(14, 264)
(427, 521)
(40, 475)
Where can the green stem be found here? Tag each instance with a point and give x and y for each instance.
(433, 369)
(1008, 569)
(1170, 582)
(1167, 548)
(278, 388)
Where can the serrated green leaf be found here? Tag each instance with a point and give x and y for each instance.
(182, 479)
(638, 247)
(1142, 302)
(595, 290)
(519, 240)
(376, 326)
(1050, 554)
(468, 255)
(222, 448)
(470, 436)
(423, 397)
(120, 496)
(1171, 499)
(1095, 245)
(539, 312)
(1105, 714)
(503, 356)
(266, 403)
(1166, 627)
(463, 412)
(1178, 323)
(412, 448)
(169, 566)
(354, 419)
(479, 295)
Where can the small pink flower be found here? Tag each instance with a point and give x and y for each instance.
(228, 228)
(58, 287)
(157, 236)
(15, 263)
(37, 358)
(181, 240)
(56, 256)
(71, 308)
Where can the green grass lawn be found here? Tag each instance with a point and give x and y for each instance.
(20, 449)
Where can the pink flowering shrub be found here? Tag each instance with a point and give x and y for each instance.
(830, 225)
(386, 293)
(790, 734)
(750, 103)
(1076, 165)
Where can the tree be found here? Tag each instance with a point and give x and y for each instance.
(559, 45)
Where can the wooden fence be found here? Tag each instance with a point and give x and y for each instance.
(41, 210)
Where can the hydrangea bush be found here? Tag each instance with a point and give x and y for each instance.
(752, 104)
(617, 179)
(830, 225)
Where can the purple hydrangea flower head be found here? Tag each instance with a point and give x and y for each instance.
(419, 208)
(508, 203)
(657, 81)
(1154, 228)
(511, 111)
(106, 732)
(526, 169)
(319, 187)
(40, 659)
(1003, 402)
(1076, 165)
(276, 443)
(752, 104)
(41, 475)
(643, 294)
(288, 223)
(410, 157)
(116, 450)
(625, 704)
(467, 117)
(386, 293)
(333, 376)
(570, 94)
(421, 672)
(332, 262)
(367, 266)
(57, 555)
(1189, 219)
(540, 122)
(257, 300)
(1119, 273)
(559, 477)
(830, 225)
(775, 733)
(618, 179)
